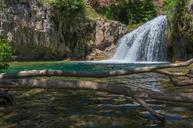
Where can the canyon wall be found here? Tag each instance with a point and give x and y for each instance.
(28, 25)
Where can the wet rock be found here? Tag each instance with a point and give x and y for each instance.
(106, 37)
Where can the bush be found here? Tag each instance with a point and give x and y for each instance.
(5, 53)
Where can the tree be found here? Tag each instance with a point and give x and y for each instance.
(180, 25)
(5, 53)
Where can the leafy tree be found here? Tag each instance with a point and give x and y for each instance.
(5, 53)
(180, 24)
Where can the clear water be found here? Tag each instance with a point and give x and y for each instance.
(151, 81)
(90, 66)
(41, 108)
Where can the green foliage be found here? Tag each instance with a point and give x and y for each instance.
(68, 8)
(5, 53)
(180, 22)
(1, 5)
(71, 23)
(130, 11)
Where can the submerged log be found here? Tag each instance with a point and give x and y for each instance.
(185, 82)
(98, 86)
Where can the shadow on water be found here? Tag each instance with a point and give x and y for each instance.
(40, 108)
(59, 109)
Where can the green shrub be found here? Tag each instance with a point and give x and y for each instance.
(5, 53)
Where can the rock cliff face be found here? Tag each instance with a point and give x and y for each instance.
(106, 36)
(28, 26)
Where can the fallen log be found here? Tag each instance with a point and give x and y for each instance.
(104, 74)
(97, 86)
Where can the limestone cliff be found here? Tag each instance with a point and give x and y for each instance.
(28, 25)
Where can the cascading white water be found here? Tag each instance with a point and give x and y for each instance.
(146, 43)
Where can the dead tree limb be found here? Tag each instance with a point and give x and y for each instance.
(151, 111)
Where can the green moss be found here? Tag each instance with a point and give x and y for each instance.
(133, 26)
(91, 13)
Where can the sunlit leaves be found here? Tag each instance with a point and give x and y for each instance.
(5, 53)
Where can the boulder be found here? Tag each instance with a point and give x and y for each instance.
(107, 34)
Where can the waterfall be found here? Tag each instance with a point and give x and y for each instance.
(146, 43)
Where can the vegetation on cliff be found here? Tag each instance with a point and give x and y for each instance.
(180, 25)
(128, 12)
(73, 27)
